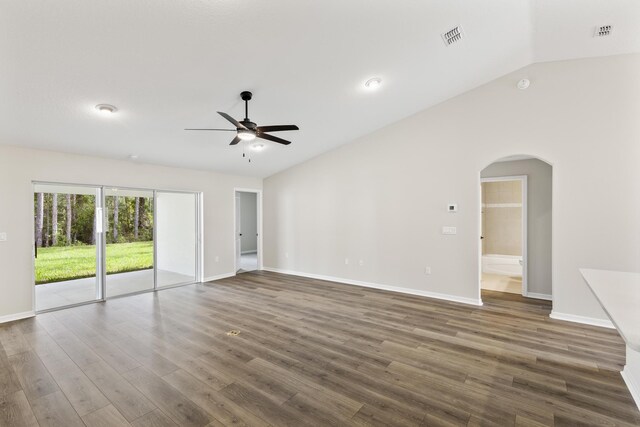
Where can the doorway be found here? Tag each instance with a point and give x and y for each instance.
(504, 234)
(247, 230)
(515, 227)
(96, 242)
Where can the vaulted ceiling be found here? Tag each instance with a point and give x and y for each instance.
(168, 65)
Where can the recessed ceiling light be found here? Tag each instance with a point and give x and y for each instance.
(373, 83)
(106, 109)
(258, 146)
(523, 84)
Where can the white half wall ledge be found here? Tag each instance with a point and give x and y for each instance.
(604, 323)
(16, 316)
(218, 277)
(631, 374)
(398, 289)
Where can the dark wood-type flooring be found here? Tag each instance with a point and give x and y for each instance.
(308, 353)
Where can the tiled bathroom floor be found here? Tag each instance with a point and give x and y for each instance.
(497, 282)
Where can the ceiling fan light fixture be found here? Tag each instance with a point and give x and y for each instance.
(246, 135)
(246, 130)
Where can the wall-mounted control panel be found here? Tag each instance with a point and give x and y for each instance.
(449, 230)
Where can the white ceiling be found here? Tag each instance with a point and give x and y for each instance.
(168, 65)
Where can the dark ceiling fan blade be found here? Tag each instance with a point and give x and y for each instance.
(235, 140)
(236, 123)
(225, 130)
(277, 128)
(273, 138)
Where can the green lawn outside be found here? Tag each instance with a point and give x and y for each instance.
(57, 264)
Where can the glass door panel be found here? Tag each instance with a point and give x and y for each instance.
(129, 241)
(67, 241)
(176, 241)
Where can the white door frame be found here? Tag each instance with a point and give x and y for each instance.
(524, 220)
(259, 225)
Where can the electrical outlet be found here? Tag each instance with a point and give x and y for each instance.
(361, 263)
(286, 254)
(427, 270)
(217, 259)
(346, 261)
(3, 237)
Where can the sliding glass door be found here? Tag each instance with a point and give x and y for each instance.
(129, 241)
(176, 238)
(67, 245)
(92, 243)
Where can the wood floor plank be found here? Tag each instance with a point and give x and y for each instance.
(310, 352)
(16, 411)
(54, 410)
(9, 381)
(260, 405)
(154, 418)
(45, 347)
(182, 410)
(81, 392)
(215, 403)
(105, 417)
(12, 340)
(36, 381)
(128, 400)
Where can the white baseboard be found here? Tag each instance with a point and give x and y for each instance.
(16, 316)
(249, 252)
(398, 289)
(632, 385)
(539, 296)
(605, 323)
(218, 277)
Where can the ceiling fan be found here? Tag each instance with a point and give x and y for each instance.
(246, 130)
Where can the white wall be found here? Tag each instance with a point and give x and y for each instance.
(19, 167)
(358, 202)
(539, 202)
(249, 221)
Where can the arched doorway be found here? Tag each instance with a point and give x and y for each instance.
(516, 227)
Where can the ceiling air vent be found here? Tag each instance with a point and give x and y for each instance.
(603, 30)
(452, 36)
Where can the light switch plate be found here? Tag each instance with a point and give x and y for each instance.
(449, 230)
(3, 237)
